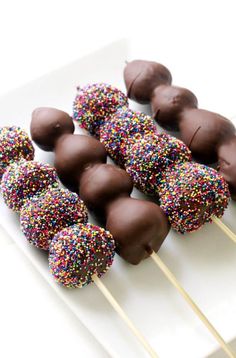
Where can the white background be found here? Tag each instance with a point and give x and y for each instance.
(39, 36)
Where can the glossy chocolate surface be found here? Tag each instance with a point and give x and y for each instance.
(73, 154)
(168, 102)
(138, 227)
(141, 77)
(47, 125)
(203, 132)
(227, 163)
(101, 184)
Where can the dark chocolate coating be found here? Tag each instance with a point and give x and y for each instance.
(138, 227)
(141, 77)
(168, 102)
(227, 163)
(73, 154)
(47, 125)
(101, 184)
(203, 132)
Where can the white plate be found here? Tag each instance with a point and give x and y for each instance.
(204, 262)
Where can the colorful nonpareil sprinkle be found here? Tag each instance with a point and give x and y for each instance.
(159, 164)
(148, 158)
(78, 252)
(191, 193)
(14, 145)
(45, 215)
(23, 180)
(95, 103)
(123, 126)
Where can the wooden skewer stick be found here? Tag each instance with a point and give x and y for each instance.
(193, 305)
(123, 315)
(224, 228)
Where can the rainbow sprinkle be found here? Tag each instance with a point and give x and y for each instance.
(158, 163)
(95, 103)
(117, 132)
(190, 194)
(150, 156)
(23, 180)
(14, 145)
(78, 252)
(45, 215)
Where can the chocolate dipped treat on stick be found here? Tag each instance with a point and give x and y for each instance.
(55, 219)
(142, 77)
(160, 165)
(106, 190)
(157, 164)
(138, 226)
(210, 136)
(114, 136)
